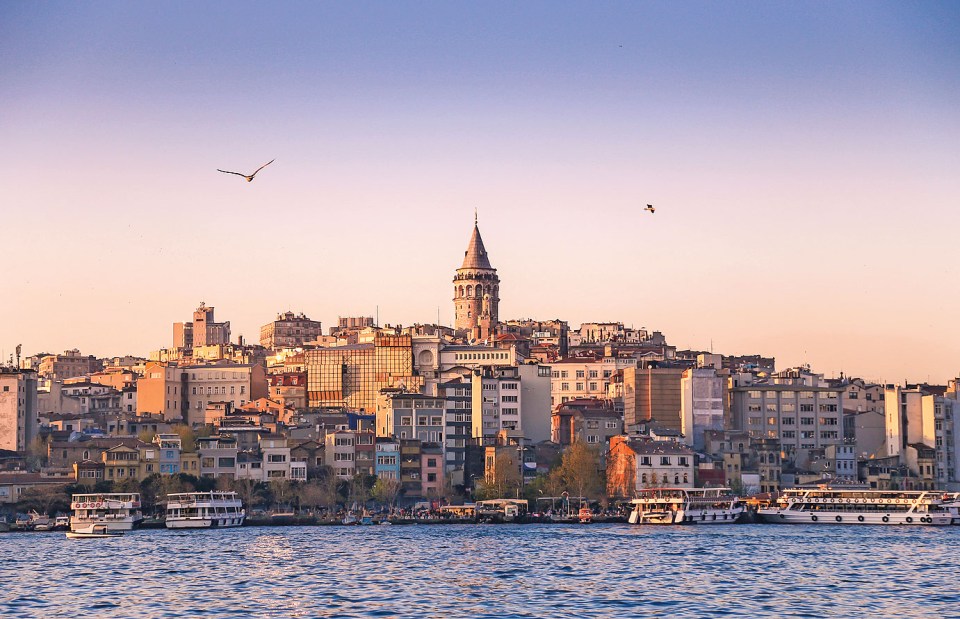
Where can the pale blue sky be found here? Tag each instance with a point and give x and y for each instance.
(803, 157)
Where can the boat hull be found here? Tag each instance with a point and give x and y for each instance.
(786, 516)
(204, 523)
(114, 524)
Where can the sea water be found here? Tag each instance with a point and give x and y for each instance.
(599, 570)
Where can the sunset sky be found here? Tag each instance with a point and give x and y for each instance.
(804, 158)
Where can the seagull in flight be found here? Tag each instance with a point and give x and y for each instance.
(649, 206)
(249, 177)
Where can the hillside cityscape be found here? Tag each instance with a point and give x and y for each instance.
(429, 415)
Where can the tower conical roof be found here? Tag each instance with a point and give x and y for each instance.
(476, 255)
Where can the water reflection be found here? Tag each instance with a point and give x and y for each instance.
(485, 571)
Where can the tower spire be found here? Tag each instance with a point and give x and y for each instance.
(474, 216)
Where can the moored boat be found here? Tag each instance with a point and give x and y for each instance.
(585, 515)
(838, 505)
(93, 531)
(118, 511)
(685, 506)
(204, 510)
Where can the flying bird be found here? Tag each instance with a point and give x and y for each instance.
(650, 208)
(249, 177)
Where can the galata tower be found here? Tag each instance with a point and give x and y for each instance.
(476, 291)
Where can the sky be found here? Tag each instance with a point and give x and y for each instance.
(803, 158)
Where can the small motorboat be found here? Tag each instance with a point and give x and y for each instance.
(585, 515)
(93, 531)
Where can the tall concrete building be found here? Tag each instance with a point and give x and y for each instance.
(652, 395)
(476, 291)
(183, 392)
(352, 376)
(206, 331)
(18, 408)
(289, 330)
(71, 363)
(702, 397)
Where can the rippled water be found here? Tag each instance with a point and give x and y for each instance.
(487, 571)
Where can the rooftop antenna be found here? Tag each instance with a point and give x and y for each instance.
(378, 316)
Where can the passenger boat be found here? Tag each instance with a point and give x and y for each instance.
(685, 506)
(93, 531)
(204, 510)
(835, 505)
(118, 511)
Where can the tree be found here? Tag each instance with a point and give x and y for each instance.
(580, 471)
(246, 489)
(188, 438)
(503, 479)
(281, 489)
(312, 495)
(46, 499)
(37, 453)
(386, 491)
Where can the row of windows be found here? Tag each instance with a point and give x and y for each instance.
(579, 387)
(580, 374)
(664, 460)
(789, 395)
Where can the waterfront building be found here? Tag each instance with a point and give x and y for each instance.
(364, 452)
(589, 420)
(122, 462)
(652, 394)
(218, 456)
(637, 463)
(411, 472)
(795, 407)
(340, 453)
(410, 415)
(516, 399)
(352, 376)
(64, 454)
(431, 469)
(476, 292)
(457, 425)
(14, 484)
(702, 398)
(289, 330)
(276, 459)
(387, 464)
(169, 447)
(68, 365)
(18, 408)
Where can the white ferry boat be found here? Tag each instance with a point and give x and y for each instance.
(685, 506)
(118, 511)
(832, 505)
(202, 510)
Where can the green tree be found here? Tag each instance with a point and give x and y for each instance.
(386, 491)
(503, 480)
(580, 471)
(188, 438)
